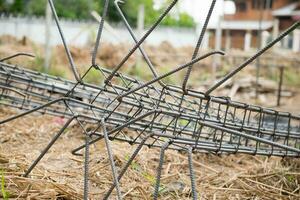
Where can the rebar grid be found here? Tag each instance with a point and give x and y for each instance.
(188, 119)
(152, 113)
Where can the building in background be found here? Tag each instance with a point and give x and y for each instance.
(283, 18)
(268, 17)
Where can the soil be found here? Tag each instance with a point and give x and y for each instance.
(60, 174)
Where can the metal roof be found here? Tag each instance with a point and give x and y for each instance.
(289, 10)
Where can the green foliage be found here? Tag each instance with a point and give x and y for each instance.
(134, 165)
(57, 71)
(183, 122)
(5, 7)
(130, 9)
(36, 7)
(1, 5)
(93, 76)
(169, 79)
(142, 71)
(18, 6)
(73, 10)
(80, 9)
(5, 194)
(290, 178)
(149, 177)
(184, 20)
(291, 77)
(113, 15)
(38, 65)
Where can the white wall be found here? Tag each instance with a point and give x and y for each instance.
(81, 33)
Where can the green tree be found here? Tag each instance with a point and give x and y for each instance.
(113, 15)
(80, 9)
(71, 9)
(131, 11)
(2, 6)
(37, 7)
(17, 6)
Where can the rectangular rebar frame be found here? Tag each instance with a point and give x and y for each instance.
(127, 109)
(213, 124)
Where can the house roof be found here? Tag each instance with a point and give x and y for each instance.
(244, 25)
(289, 10)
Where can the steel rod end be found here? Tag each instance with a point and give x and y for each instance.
(220, 52)
(119, 98)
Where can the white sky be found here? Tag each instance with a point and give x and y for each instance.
(199, 8)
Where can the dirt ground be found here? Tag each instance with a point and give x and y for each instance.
(60, 174)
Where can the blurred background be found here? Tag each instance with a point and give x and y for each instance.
(239, 27)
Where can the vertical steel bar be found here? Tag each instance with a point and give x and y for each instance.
(281, 71)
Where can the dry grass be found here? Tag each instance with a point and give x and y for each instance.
(59, 174)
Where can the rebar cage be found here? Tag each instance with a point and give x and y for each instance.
(214, 124)
(149, 113)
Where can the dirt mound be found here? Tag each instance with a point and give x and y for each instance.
(111, 55)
